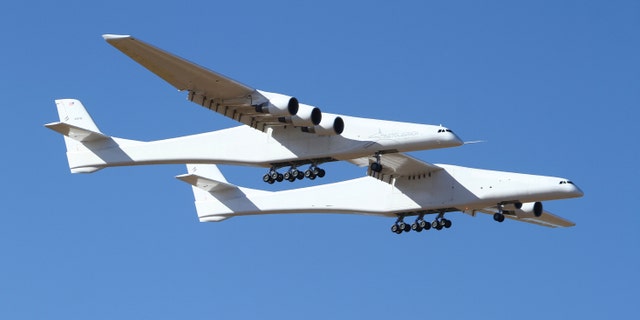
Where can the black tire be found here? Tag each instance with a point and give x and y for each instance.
(447, 223)
(300, 175)
(498, 217)
(407, 227)
(287, 176)
(423, 224)
(394, 228)
(320, 173)
(308, 173)
(266, 178)
(274, 175)
(280, 177)
(414, 226)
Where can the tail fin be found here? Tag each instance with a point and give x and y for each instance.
(78, 128)
(215, 198)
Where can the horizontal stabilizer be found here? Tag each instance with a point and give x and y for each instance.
(205, 184)
(75, 132)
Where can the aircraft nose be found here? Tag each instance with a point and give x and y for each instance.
(577, 192)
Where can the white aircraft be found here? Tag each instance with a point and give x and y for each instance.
(277, 130)
(404, 187)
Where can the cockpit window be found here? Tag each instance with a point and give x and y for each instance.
(444, 130)
(566, 182)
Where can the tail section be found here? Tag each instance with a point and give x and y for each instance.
(215, 198)
(81, 134)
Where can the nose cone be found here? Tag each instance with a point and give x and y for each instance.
(576, 192)
(450, 139)
(570, 189)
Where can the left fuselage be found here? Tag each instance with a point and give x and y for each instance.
(244, 145)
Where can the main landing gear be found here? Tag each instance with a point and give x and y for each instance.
(420, 224)
(293, 174)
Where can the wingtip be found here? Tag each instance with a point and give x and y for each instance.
(115, 36)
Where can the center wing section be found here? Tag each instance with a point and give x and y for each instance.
(395, 165)
(258, 109)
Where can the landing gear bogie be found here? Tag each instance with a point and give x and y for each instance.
(293, 174)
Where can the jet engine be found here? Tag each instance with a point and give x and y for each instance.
(307, 116)
(278, 104)
(527, 209)
(330, 124)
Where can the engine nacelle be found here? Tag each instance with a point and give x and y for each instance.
(528, 209)
(278, 104)
(330, 125)
(307, 116)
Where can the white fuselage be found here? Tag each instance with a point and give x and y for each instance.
(278, 146)
(452, 189)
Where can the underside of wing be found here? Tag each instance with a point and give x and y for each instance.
(395, 165)
(546, 219)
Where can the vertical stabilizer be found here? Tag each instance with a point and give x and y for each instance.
(71, 111)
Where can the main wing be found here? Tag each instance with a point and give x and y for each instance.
(258, 109)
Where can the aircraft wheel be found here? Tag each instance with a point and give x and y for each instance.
(308, 173)
(266, 178)
(416, 227)
(395, 228)
(407, 227)
(424, 225)
(320, 173)
(273, 174)
(376, 167)
(447, 223)
(498, 217)
(280, 177)
(312, 177)
(300, 175)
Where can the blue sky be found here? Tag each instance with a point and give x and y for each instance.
(553, 86)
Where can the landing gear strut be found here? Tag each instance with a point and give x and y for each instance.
(499, 216)
(376, 166)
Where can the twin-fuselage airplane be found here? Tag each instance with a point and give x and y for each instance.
(280, 132)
